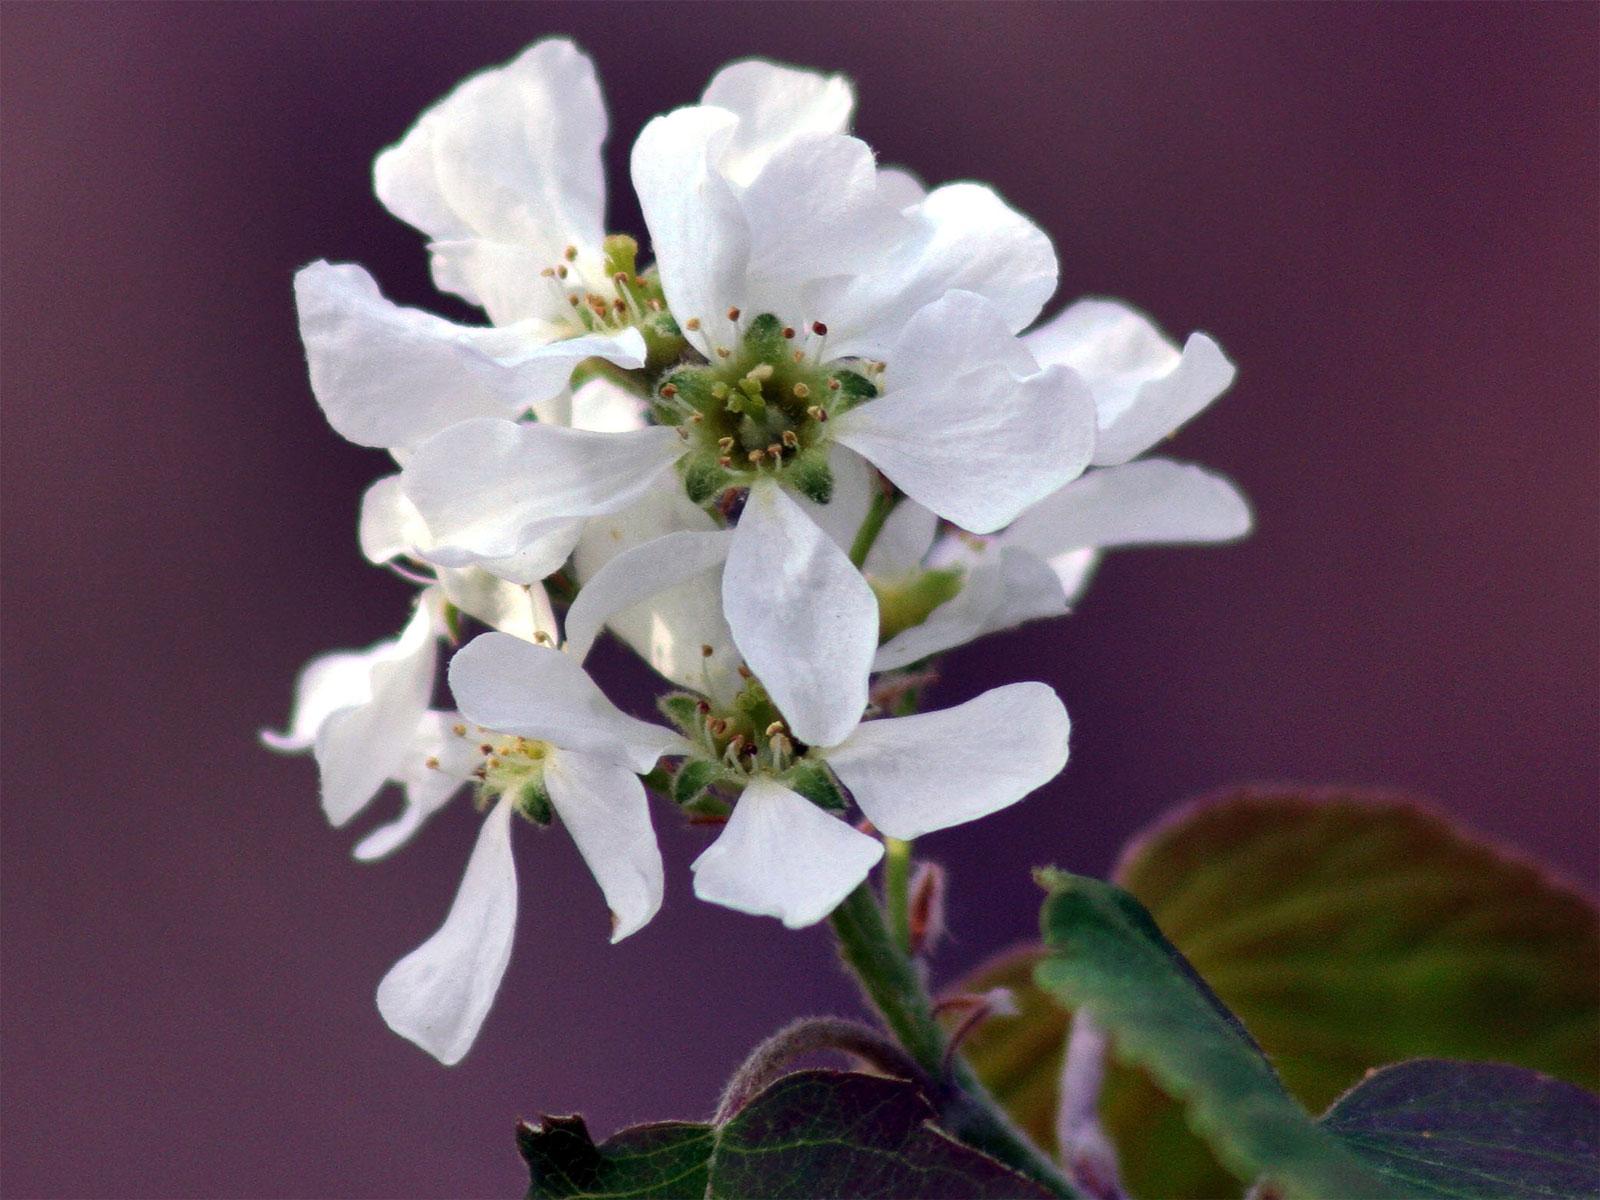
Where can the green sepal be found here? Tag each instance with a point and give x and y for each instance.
(708, 806)
(693, 778)
(664, 342)
(452, 621)
(659, 780)
(683, 710)
(815, 782)
(533, 802)
(811, 475)
(703, 478)
(854, 388)
(693, 386)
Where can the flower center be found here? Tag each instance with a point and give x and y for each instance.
(514, 767)
(760, 410)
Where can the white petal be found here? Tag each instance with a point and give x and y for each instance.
(512, 154)
(511, 686)
(697, 228)
(636, 575)
(1073, 571)
(521, 610)
(489, 488)
(358, 748)
(901, 186)
(913, 775)
(802, 616)
(1007, 587)
(904, 540)
(438, 995)
(390, 524)
(438, 763)
(1144, 389)
(603, 806)
(390, 376)
(603, 407)
(966, 239)
(782, 856)
(671, 628)
(775, 104)
(1151, 501)
(976, 444)
(815, 210)
(327, 683)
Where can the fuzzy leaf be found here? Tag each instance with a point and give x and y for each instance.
(1483, 1131)
(813, 1133)
(1308, 913)
(1107, 956)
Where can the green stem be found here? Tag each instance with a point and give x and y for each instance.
(895, 988)
(896, 890)
(871, 526)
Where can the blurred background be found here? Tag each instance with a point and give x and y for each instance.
(1388, 215)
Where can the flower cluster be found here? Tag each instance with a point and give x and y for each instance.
(805, 449)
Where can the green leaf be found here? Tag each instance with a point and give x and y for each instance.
(1107, 956)
(813, 1133)
(1309, 913)
(1472, 1130)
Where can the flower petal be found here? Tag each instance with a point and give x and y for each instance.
(775, 104)
(327, 683)
(390, 525)
(957, 429)
(1144, 389)
(391, 377)
(636, 575)
(782, 856)
(802, 616)
(904, 540)
(511, 686)
(490, 488)
(1152, 501)
(360, 747)
(512, 154)
(671, 628)
(603, 806)
(854, 485)
(913, 775)
(965, 239)
(518, 609)
(438, 763)
(439, 994)
(697, 228)
(1006, 587)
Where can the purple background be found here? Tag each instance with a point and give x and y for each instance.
(1387, 215)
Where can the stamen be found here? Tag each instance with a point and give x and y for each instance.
(692, 324)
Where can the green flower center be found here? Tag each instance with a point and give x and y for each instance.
(762, 410)
(514, 767)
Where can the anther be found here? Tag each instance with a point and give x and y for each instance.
(561, 271)
(654, 305)
(701, 707)
(574, 301)
(548, 272)
(756, 456)
(833, 385)
(788, 332)
(695, 418)
(744, 672)
(733, 314)
(736, 745)
(571, 253)
(692, 324)
(638, 281)
(776, 450)
(431, 762)
(790, 440)
(706, 651)
(543, 638)
(818, 328)
(816, 412)
(669, 390)
(801, 391)
(723, 352)
(799, 356)
(684, 433)
(485, 748)
(459, 730)
(775, 727)
(620, 304)
(724, 461)
(725, 443)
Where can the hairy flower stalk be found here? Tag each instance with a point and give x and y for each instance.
(807, 444)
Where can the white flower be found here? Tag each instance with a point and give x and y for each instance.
(783, 856)
(360, 711)
(1144, 389)
(547, 742)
